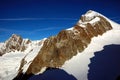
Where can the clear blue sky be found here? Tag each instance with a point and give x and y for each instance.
(36, 19)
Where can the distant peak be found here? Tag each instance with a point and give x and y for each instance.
(13, 35)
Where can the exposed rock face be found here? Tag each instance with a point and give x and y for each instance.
(62, 47)
(15, 42)
(57, 49)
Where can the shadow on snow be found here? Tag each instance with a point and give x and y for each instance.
(105, 65)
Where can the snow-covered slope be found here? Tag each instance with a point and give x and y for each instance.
(1, 44)
(9, 65)
(90, 17)
(33, 51)
(78, 65)
(10, 62)
(15, 42)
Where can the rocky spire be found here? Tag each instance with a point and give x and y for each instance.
(14, 43)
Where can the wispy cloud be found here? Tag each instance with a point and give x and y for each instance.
(12, 30)
(45, 29)
(4, 31)
(21, 19)
(115, 17)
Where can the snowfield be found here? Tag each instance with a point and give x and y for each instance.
(9, 65)
(1, 44)
(10, 62)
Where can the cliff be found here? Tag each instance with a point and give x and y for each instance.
(62, 47)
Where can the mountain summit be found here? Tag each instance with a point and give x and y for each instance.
(89, 16)
(58, 49)
(67, 49)
(14, 43)
(62, 47)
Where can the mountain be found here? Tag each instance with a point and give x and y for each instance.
(70, 49)
(14, 50)
(62, 47)
(15, 42)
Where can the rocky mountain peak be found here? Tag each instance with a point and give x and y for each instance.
(14, 40)
(62, 47)
(15, 36)
(89, 15)
(14, 43)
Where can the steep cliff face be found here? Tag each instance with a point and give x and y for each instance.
(62, 47)
(15, 42)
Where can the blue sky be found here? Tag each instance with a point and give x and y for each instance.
(36, 19)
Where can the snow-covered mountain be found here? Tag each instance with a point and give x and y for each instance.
(70, 50)
(15, 42)
(15, 51)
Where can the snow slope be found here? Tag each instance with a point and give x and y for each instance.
(1, 44)
(78, 65)
(9, 65)
(10, 62)
(33, 51)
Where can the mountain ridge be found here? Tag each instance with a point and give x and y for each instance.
(62, 47)
(58, 50)
(76, 39)
(15, 42)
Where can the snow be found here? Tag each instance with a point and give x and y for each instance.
(33, 51)
(78, 65)
(9, 65)
(95, 20)
(1, 44)
(82, 24)
(91, 14)
(70, 28)
(10, 62)
(114, 24)
(90, 17)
